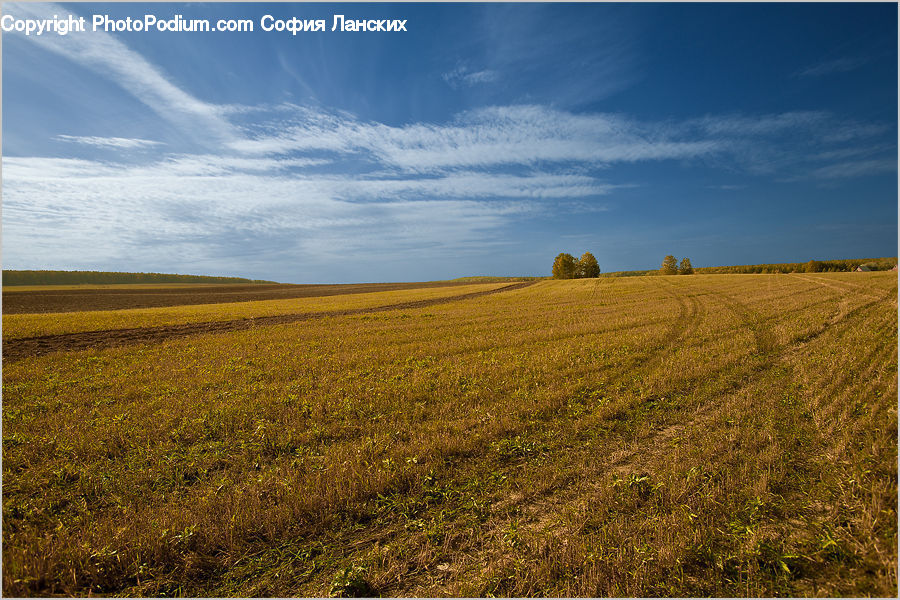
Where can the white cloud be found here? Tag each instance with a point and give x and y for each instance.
(299, 185)
(838, 65)
(39, 168)
(763, 125)
(113, 214)
(109, 142)
(460, 184)
(205, 165)
(520, 136)
(503, 135)
(857, 168)
(432, 189)
(106, 55)
(463, 77)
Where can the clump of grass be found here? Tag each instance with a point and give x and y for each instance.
(351, 582)
(519, 447)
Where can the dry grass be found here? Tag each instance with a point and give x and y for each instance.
(704, 435)
(30, 325)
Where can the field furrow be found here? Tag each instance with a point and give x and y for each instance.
(705, 435)
(18, 348)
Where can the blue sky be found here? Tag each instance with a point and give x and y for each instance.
(484, 140)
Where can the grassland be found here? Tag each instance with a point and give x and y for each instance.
(29, 325)
(648, 436)
(86, 298)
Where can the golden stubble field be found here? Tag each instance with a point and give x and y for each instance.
(728, 435)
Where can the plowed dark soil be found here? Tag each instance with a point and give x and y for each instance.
(36, 346)
(77, 300)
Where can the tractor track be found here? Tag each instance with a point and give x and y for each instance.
(21, 348)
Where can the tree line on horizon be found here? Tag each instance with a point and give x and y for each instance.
(812, 266)
(566, 266)
(111, 277)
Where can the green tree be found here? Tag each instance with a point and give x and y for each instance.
(685, 268)
(588, 266)
(564, 266)
(813, 266)
(669, 265)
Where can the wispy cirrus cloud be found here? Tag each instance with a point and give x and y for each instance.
(533, 136)
(849, 169)
(291, 184)
(462, 76)
(786, 145)
(139, 215)
(109, 142)
(828, 67)
(109, 57)
(330, 180)
(737, 125)
(487, 137)
(458, 184)
(524, 42)
(726, 187)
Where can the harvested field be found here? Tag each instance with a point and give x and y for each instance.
(710, 435)
(88, 298)
(50, 324)
(16, 349)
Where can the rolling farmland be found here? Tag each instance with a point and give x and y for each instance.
(71, 298)
(727, 435)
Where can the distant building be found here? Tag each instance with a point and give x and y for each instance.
(864, 268)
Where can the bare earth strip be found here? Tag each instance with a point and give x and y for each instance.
(30, 300)
(18, 349)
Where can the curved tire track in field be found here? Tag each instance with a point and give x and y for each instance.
(686, 313)
(575, 491)
(18, 349)
(761, 327)
(570, 490)
(531, 510)
(533, 507)
(840, 285)
(763, 337)
(655, 444)
(689, 316)
(838, 382)
(534, 504)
